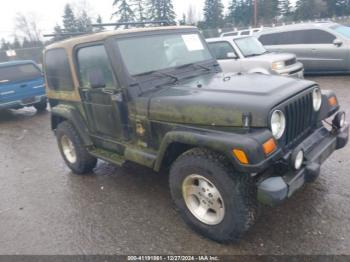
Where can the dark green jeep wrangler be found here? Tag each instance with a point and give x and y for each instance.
(157, 97)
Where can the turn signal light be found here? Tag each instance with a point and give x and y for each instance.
(269, 146)
(332, 101)
(241, 156)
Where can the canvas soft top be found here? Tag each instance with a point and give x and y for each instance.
(94, 37)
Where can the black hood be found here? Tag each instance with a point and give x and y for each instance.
(220, 100)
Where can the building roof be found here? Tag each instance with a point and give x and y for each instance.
(94, 37)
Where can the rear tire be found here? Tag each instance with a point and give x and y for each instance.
(41, 106)
(73, 150)
(232, 211)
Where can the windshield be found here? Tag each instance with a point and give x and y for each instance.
(250, 46)
(19, 73)
(146, 54)
(343, 30)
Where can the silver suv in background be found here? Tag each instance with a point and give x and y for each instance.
(322, 47)
(248, 55)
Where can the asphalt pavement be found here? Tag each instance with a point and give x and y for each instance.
(47, 210)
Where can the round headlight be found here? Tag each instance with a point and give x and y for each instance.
(317, 99)
(278, 124)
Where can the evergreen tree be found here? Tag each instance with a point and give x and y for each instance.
(191, 18)
(268, 11)
(310, 9)
(183, 20)
(69, 20)
(213, 13)
(4, 45)
(139, 10)
(26, 43)
(244, 12)
(162, 10)
(57, 31)
(16, 44)
(124, 11)
(232, 9)
(83, 23)
(99, 22)
(284, 7)
(338, 7)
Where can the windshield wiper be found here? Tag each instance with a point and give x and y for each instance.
(195, 66)
(203, 67)
(176, 79)
(169, 75)
(251, 55)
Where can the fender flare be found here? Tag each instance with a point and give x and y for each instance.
(221, 142)
(326, 109)
(61, 113)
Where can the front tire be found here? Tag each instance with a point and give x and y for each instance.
(212, 199)
(73, 150)
(41, 106)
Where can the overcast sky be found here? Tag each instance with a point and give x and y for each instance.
(48, 13)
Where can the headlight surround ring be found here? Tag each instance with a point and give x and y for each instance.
(278, 124)
(317, 99)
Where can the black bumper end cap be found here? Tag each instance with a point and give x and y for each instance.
(272, 191)
(312, 172)
(343, 138)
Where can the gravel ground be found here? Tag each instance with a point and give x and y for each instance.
(45, 209)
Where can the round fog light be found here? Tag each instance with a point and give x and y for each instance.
(339, 120)
(299, 159)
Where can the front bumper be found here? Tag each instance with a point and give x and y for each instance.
(296, 71)
(272, 190)
(23, 103)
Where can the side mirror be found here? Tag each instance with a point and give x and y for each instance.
(232, 55)
(337, 42)
(96, 78)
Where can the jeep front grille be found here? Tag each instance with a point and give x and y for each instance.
(299, 115)
(291, 62)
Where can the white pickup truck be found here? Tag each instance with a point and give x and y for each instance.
(246, 54)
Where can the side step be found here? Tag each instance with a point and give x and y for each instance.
(107, 156)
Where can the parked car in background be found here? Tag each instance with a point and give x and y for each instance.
(322, 47)
(22, 85)
(246, 54)
(245, 32)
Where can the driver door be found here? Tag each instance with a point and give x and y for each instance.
(102, 98)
